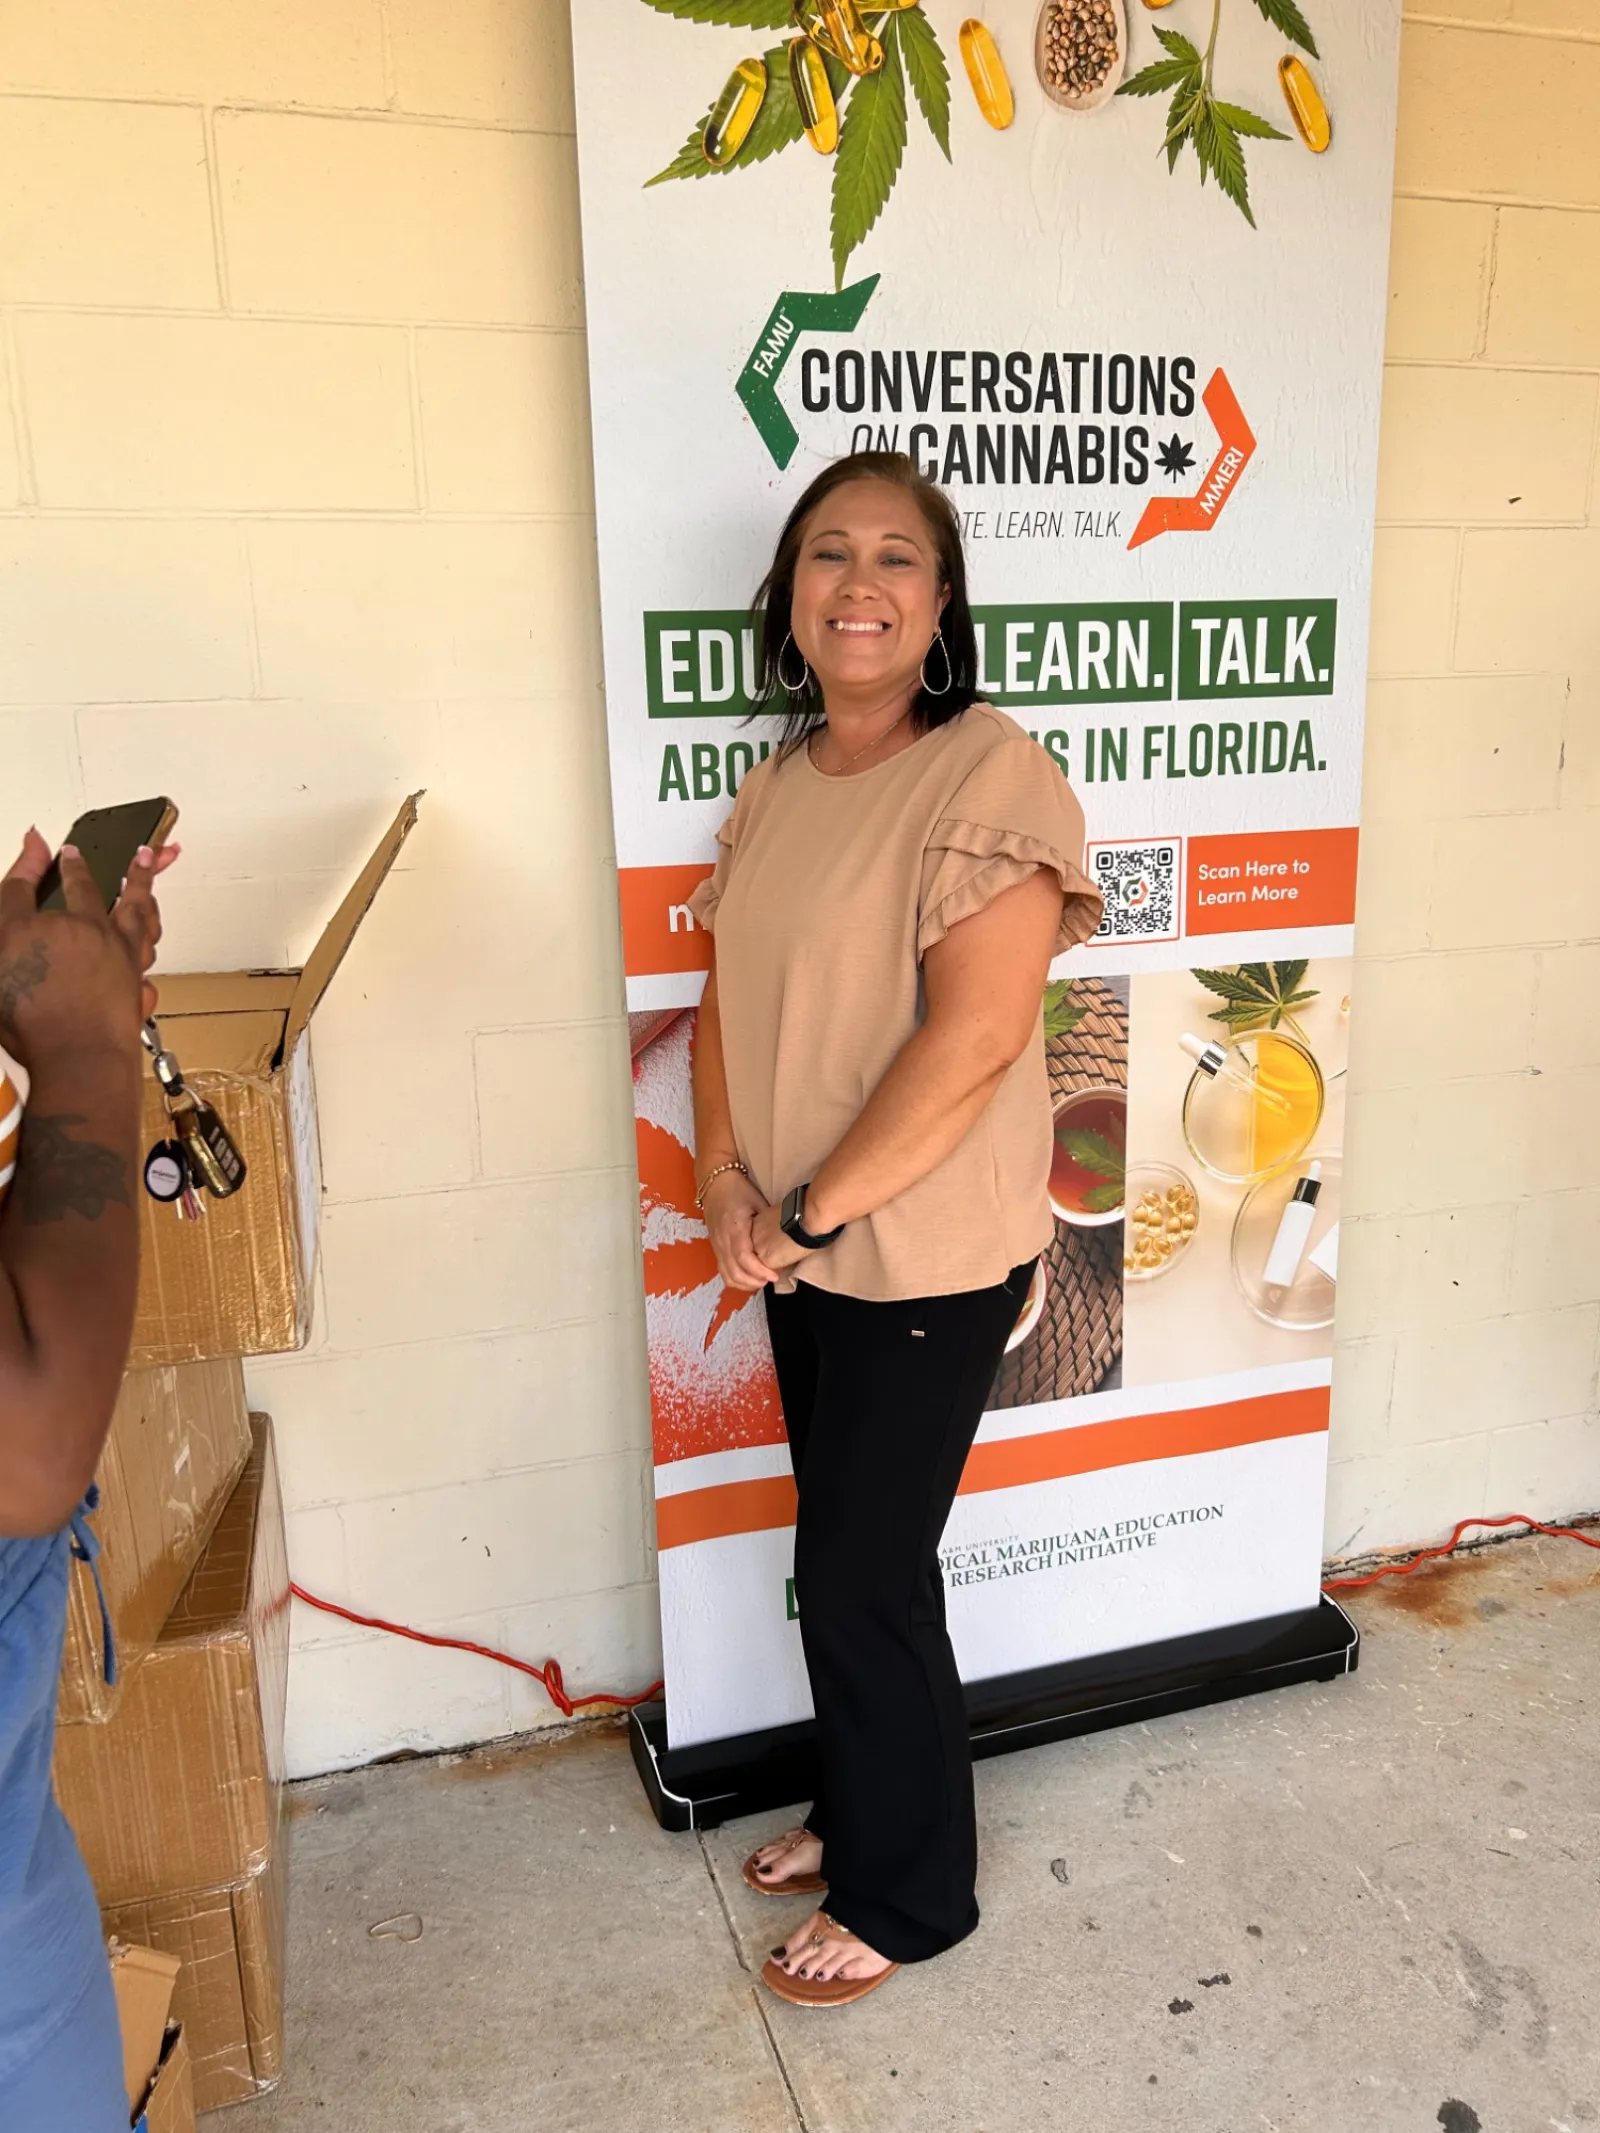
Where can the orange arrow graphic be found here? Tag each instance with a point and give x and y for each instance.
(1198, 513)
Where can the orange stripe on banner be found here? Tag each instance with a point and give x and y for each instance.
(1092, 1448)
(1133, 1439)
(658, 932)
(734, 1507)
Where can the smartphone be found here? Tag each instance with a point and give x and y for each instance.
(108, 837)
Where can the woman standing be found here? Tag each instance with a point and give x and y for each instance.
(872, 1120)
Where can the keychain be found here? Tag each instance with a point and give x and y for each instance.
(166, 1178)
(201, 1151)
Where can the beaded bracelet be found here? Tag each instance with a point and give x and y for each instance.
(710, 1176)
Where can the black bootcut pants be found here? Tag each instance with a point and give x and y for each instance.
(882, 1402)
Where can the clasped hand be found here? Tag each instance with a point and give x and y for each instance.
(747, 1234)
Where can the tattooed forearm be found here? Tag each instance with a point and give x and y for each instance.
(58, 1176)
(21, 975)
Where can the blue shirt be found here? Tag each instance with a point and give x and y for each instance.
(50, 1948)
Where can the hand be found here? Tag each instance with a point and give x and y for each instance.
(75, 980)
(731, 1206)
(778, 1251)
(137, 916)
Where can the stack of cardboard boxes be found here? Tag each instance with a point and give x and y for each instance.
(171, 1773)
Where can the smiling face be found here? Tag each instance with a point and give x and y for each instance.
(868, 592)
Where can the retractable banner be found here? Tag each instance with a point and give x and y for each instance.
(1113, 272)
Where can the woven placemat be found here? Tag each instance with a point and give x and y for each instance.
(1078, 1339)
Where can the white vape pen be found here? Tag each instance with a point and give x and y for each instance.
(1294, 1227)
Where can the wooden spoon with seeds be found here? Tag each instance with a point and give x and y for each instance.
(1069, 12)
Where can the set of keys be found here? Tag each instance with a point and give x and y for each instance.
(199, 1153)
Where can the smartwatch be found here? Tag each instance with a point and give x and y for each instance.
(791, 1221)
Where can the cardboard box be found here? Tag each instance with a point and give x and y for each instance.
(169, 2104)
(179, 1440)
(229, 1994)
(181, 1789)
(155, 2053)
(239, 1282)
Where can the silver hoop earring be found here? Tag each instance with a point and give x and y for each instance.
(949, 681)
(795, 688)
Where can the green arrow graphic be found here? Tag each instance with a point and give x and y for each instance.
(797, 311)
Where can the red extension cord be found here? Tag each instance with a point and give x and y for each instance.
(1428, 1555)
(549, 1675)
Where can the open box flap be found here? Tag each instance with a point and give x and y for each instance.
(143, 1980)
(340, 930)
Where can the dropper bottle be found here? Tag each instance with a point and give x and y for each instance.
(1224, 1065)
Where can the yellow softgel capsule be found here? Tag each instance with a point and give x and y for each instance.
(1306, 108)
(735, 112)
(986, 71)
(1154, 4)
(813, 95)
(836, 26)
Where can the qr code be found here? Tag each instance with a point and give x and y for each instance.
(1140, 885)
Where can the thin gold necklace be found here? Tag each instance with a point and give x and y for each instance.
(860, 752)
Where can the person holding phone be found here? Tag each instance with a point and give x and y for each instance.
(872, 1125)
(73, 997)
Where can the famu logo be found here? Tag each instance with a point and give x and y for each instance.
(1056, 420)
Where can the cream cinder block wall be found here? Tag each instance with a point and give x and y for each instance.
(1469, 1319)
(295, 516)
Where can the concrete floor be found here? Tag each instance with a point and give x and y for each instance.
(1368, 1908)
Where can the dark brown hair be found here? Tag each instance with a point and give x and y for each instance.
(801, 711)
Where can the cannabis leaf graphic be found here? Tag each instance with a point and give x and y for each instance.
(1061, 1012)
(1175, 457)
(1285, 16)
(732, 14)
(1198, 117)
(872, 141)
(873, 109)
(1094, 1153)
(1258, 995)
(927, 72)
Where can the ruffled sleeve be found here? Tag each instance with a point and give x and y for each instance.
(1012, 814)
(705, 899)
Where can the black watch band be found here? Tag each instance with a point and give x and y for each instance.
(791, 1221)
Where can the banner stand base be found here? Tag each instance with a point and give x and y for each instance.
(749, 1773)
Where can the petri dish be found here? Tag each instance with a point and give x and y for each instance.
(1306, 1304)
(1158, 1191)
(1259, 1112)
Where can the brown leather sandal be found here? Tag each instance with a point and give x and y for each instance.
(823, 1992)
(799, 1885)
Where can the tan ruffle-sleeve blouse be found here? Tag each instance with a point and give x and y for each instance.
(826, 896)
